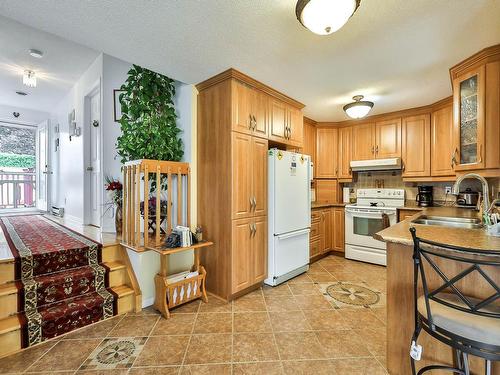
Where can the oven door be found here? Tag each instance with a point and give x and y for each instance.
(362, 224)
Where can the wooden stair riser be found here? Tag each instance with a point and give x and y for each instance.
(118, 277)
(111, 253)
(8, 304)
(7, 272)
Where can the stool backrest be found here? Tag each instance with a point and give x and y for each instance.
(433, 260)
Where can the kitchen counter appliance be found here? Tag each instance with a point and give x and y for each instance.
(468, 198)
(289, 210)
(375, 209)
(424, 196)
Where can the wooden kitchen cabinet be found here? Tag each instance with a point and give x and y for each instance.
(363, 142)
(338, 229)
(326, 153)
(345, 154)
(278, 120)
(416, 146)
(251, 107)
(442, 148)
(295, 126)
(326, 230)
(259, 175)
(388, 139)
(327, 191)
(249, 255)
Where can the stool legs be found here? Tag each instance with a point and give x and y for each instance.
(465, 360)
(487, 367)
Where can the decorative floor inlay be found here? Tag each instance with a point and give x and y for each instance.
(352, 294)
(115, 353)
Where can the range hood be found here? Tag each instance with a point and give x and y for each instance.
(376, 164)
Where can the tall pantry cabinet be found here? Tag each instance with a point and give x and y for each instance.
(237, 118)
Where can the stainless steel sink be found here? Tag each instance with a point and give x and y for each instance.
(454, 222)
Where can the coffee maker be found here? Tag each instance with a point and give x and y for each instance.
(424, 196)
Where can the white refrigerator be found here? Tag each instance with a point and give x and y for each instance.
(289, 202)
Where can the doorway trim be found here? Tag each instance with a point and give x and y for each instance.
(95, 88)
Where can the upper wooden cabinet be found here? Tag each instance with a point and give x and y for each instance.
(363, 143)
(378, 140)
(250, 110)
(442, 148)
(416, 146)
(286, 123)
(388, 139)
(345, 153)
(326, 153)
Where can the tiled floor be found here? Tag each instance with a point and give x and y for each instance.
(330, 320)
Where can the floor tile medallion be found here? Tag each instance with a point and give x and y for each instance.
(351, 294)
(115, 353)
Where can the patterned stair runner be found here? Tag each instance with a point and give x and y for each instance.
(63, 286)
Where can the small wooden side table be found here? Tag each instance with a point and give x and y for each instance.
(168, 296)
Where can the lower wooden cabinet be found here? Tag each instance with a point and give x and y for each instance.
(327, 191)
(327, 230)
(249, 252)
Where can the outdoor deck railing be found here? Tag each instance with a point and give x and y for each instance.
(17, 189)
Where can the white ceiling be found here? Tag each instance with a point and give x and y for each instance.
(395, 52)
(61, 66)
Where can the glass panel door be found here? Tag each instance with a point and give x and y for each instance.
(469, 120)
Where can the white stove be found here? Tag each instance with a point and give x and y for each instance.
(375, 209)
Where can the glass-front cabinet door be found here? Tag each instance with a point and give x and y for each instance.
(468, 97)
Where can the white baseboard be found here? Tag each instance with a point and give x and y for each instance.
(147, 302)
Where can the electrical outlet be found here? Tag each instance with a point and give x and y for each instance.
(447, 189)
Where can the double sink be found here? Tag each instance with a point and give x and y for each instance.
(453, 222)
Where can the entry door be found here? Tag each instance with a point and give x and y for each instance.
(93, 169)
(42, 165)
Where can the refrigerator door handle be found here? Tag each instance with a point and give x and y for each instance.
(293, 234)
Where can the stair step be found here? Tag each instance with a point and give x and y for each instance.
(111, 253)
(7, 272)
(113, 266)
(9, 324)
(122, 290)
(7, 289)
(8, 299)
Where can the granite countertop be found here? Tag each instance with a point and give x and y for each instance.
(468, 238)
(325, 205)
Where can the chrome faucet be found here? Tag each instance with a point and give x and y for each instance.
(484, 183)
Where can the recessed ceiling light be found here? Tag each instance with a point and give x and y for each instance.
(22, 93)
(324, 17)
(359, 108)
(29, 78)
(36, 53)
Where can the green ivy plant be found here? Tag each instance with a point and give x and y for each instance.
(148, 122)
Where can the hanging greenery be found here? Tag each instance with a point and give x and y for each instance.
(148, 122)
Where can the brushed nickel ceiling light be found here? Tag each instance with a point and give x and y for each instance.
(29, 78)
(359, 108)
(324, 17)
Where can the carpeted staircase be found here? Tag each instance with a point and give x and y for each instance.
(61, 281)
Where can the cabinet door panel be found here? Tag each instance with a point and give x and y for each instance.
(241, 255)
(416, 146)
(241, 175)
(314, 248)
(363, 142)
(259, 250)
(326, 153)
(442, 145)
(242, 107)
(326, 228)
(296, 124)
(259, 109)
(278, 120)
(338, 229)
(388, 139)
(345, 153)
(259, 175)
(309, 145)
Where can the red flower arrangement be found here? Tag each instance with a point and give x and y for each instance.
(115, 187)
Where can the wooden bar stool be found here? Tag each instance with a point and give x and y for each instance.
(468, 325)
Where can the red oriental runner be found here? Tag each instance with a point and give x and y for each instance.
(62, 284)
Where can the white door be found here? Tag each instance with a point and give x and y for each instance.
(291, 190)
(42, 165)
(94, 167)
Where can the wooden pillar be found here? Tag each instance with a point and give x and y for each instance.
(158, 206)
(179, 197)
(146, 205)
(137, 205)
(169, 201)
(124, 203)
(188, 177)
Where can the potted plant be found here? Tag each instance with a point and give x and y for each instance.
(115, 191)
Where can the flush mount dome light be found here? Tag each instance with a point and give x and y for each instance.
(35, 53)
(29, 78)
(359, 108)
(324, 17)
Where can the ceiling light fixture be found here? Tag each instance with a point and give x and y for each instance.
(36, 53)
(22, 93)
(324, 17)
(29, 78)
(359, 108)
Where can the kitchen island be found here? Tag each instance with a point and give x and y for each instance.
(400, 304)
